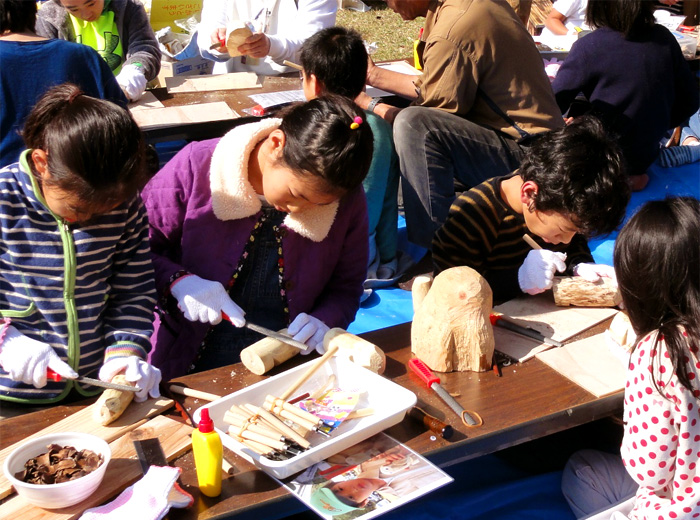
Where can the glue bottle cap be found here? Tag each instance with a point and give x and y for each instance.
(206, 425)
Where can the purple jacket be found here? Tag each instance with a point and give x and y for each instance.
(202, 210)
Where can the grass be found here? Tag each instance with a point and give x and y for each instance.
(393, 36)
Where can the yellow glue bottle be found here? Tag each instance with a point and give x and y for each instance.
(208, 455)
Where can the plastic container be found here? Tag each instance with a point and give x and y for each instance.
(64, 494)
(389, 401)
(208, 455)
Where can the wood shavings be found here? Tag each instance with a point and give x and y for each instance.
(59, 464)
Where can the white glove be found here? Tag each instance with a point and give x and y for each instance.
(594, 272)
(204, 300)
(132, 81)
(26, 359)
(309, 330)
(537, 272)
(143, 374)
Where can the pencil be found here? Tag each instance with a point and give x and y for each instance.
(293, 65)
(534, 245)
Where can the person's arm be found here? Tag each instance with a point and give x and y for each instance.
(141, 47)
(128, 317)
(212, 27)
(337, 304)
(312, 16)
(555, 22)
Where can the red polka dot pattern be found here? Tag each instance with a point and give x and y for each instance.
(661, 446)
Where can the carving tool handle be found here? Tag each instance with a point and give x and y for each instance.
(422, 371)
(433, 424)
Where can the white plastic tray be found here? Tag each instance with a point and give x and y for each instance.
(389, 401)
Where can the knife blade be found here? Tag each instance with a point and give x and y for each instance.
(54, 376)
(271, 334)
(150, 453)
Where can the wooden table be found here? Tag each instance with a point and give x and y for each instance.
(529, 401)
(235, 99)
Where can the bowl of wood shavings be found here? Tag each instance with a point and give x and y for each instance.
(58, 470)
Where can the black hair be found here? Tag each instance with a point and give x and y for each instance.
(338, 58)
(17, 16)
(633, 18)
(320, 141)
(579, 171)
(657, 264)
(94, 148)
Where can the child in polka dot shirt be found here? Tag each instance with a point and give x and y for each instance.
(657, 262)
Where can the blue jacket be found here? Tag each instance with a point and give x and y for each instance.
(85, 289)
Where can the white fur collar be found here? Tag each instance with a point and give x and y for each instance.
(232, 195)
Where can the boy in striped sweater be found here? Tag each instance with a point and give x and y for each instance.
(570, 186)
(76, 281)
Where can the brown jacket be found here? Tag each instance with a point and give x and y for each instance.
(476, 51)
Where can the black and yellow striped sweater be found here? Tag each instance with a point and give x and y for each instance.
(483, 232)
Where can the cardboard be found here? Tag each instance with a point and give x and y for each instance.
(164, 12)
(590, 364)
(195, 66)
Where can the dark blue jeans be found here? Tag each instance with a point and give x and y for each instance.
(436, 148)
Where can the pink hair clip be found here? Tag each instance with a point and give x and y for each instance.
(356, 123)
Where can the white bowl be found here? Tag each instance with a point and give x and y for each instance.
(63, 494)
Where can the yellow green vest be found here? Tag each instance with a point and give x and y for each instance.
(101, 35)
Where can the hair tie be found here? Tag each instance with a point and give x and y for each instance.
(77, 92)
(356, 123)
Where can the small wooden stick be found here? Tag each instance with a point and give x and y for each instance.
(189, 392)
(293, 65)
(227, 467)
(534, 245)
(271, 401)
(313, 368)
(362, 412)
(286, 430)
(284, 414)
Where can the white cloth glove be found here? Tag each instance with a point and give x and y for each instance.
(594, 272)
(204, 300)
(537, 272)
(26, 359)
(132, 81)
(149, 499)
(146, 376)
(309, 330)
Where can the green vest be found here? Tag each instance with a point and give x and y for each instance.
(101, 35)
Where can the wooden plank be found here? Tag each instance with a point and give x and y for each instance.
(182, 115)
(541, 314)
(207, 83)
(123, 470)
(147, 101)
(135, 415)
(590, 364)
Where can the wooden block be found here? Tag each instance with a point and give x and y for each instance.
(590, 364)
(123, 470)
(175, 116)
(231, 81)
(236, 34)
(147, 101)
(134, 416)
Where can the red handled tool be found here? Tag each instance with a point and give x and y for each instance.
(500, 320)
(54, 376)
(422, 370)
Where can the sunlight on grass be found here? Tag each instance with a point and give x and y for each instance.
(393, 36)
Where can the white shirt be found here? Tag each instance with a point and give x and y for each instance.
(287, 28)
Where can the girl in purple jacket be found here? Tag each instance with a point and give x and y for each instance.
(266, 224)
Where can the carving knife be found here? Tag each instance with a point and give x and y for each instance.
(53, 376)
(271, 334)
(422, 370)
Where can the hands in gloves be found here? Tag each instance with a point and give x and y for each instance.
(537, 272)
(309, 330)
(26, 359)
(204, 300)
(594, 272)
(136, 370)
(132, 81)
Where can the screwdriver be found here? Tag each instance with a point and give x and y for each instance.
(54, 376)
(422, 370)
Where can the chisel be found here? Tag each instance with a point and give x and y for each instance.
(422, 370)
(271, 334)
(499, 320)
(53, 376)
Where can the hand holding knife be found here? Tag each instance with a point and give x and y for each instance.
(54, 376)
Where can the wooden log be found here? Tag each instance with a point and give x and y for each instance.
(356, 349)
(264, 355)
(236, 34)
(112, 403)
(578, 292)
(451, 330)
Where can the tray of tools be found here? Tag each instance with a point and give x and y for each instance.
(281, 435)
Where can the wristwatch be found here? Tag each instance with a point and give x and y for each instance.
(373, 103)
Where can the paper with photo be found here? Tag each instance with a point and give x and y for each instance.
(364, 481)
